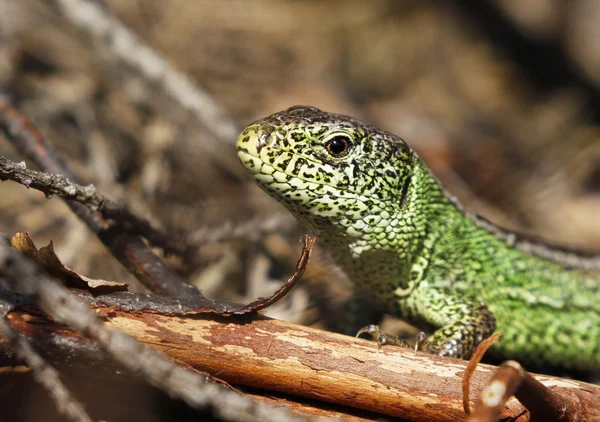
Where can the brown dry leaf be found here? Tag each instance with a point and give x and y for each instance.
(46, 257)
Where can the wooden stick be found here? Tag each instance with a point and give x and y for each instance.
(278, 356)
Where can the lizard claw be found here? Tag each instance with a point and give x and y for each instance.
(421, 341)
(373, 330)
(382, 338)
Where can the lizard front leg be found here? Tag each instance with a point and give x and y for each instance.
(461, 323)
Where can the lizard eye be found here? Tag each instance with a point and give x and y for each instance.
(338, 145)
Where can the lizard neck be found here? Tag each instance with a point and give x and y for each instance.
(383, 250)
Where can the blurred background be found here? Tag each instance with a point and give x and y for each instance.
(501, 98)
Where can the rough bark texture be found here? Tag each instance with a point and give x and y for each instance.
(278, 356)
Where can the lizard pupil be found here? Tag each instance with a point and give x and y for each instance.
(338, 146)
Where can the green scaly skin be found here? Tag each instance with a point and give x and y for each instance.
(411, 247)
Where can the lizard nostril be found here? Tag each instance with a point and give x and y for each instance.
(265, 139)
(262, 139)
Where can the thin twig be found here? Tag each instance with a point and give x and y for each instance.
(543, 403)
(257, 305)
(128, 248)
(43, 372)
(191, 387)
(57, 184)
(128, 48)
(473, 362)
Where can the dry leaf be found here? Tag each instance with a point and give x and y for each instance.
(46, 258)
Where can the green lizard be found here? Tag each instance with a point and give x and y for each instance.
(411, 247)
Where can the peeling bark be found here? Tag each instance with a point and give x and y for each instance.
(278, 356)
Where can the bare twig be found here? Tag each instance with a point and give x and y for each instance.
(49, 184)
(193, 388)
(57, 184)
(129, 249)
(107, 30)
(45, 374)
(510, 379)
(259, 304)
(473, 362)
(543, 403)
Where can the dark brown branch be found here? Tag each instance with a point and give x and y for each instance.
(129, 249)
(136, 302)
(140, 302)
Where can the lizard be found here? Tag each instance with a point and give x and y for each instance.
(411, 247)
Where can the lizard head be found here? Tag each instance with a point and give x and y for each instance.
(328, 168)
